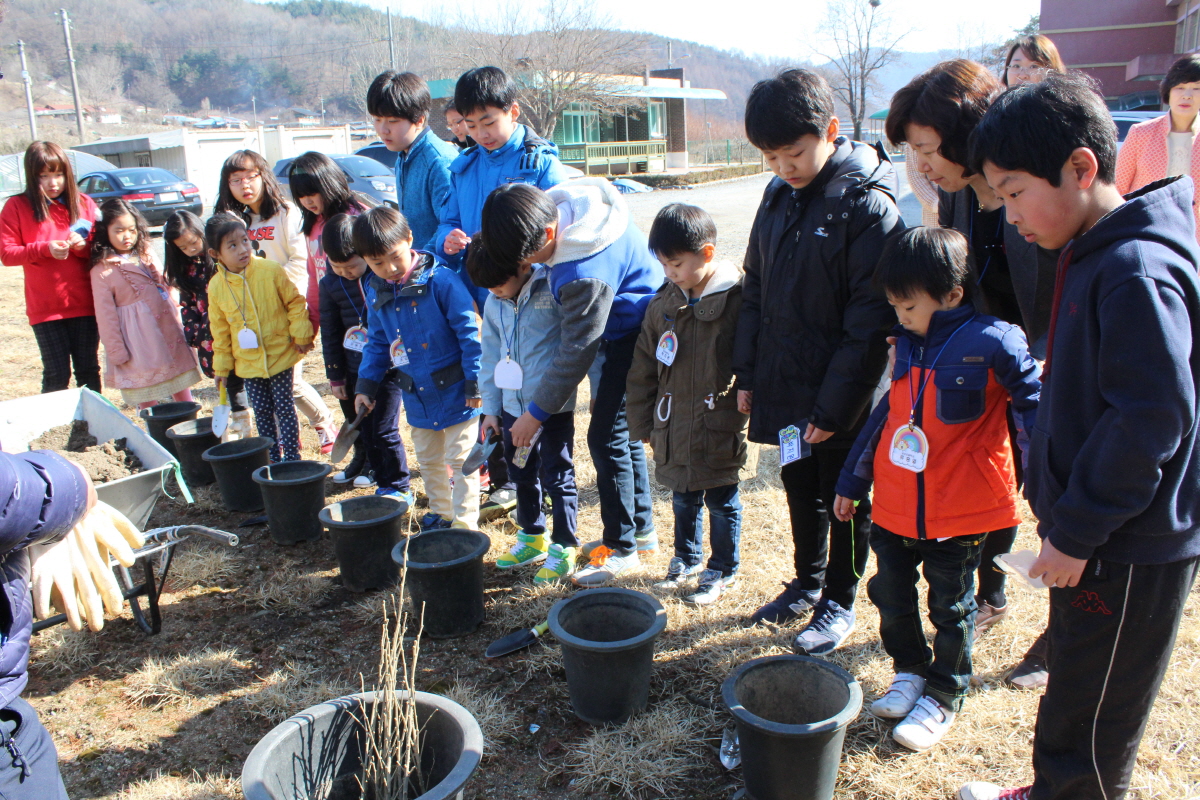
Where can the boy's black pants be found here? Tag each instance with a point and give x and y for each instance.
(1110, 640)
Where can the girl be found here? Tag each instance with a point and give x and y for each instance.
(189, 268)
(321, 189)
(147, 355)
(249, 190)
(47, 232)
(260, 326)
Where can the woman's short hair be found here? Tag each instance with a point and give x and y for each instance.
(1039, 49)
(1185, 70)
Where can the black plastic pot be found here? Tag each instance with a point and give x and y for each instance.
(445, 577)
(607, 638)
(190, 440)
(233, 464)
(364, 530)
(293, 493)
(317, 754)
(164, 415)
(791, 713)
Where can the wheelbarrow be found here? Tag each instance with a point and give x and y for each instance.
(154, 562)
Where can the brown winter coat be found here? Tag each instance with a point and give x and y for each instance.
(695, 447)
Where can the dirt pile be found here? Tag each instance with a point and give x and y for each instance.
(103, 462)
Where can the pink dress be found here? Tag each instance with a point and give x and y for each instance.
(145, 352)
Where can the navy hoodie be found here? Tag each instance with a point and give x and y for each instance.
(1114, 460)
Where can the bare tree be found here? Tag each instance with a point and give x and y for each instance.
(862, 42)
(570, 57)
(101, 77)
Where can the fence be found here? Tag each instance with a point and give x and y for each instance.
(722, 152)
(648, 156)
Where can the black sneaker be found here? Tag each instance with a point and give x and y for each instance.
(791, 604)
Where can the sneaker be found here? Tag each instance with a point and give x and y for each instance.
(647, 545)
(789, 605)
(604, 565)
(559, 563)
(987, 616)
(925, 725)
(982, 790)
(530, 548)
(828, 628)
(1033, 671)
(356, 466)
(497, 504)
(404, 497)
(326, 436)
(901, 696)
(433, 522)
(365, 481)
(711, 585)
(678, 571)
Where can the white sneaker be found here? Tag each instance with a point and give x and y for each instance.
(982, 790)
(710, 586)
(678, 572)
(826, 630)
(924, 726)
(364, 480)
(901, 696)
(604, 565)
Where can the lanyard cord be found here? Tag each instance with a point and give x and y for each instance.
(508, 340)
(925, 382)
(241, 307)
(361, 317)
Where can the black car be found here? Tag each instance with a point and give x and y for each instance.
(365, 176)
(153, 191)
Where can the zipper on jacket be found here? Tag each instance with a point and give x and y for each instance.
(918, 420)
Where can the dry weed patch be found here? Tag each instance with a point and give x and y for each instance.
(497, 721)
(62, 651)
(173, 787)
(290, 690)
(184, 678)
(201, 565)
(289, 591)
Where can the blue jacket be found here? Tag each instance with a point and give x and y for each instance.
(1114, 459)
(422, 184)
(435, 318)
(529, 330)
(524, 158)
(42, 496)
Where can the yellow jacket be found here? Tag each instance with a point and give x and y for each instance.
(264, 300)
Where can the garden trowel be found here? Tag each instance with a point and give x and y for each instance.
(220, 418)
(346, 436)
(516, 641)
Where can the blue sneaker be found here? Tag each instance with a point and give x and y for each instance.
(433, 522)
(404, 497)
(789, 605)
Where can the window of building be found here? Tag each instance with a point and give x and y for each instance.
(579, 125)
(656, 115)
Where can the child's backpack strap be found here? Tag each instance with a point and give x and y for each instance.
(531, 153)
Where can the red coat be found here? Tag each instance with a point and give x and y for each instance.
(54, 289)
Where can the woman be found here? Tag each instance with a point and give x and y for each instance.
(47, 231)
(1165, 147)
(1030, 59)
(935, 114)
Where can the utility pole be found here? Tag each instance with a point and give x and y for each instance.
(669, 54)
(254, 109)
(391, 39)
(28, 91)
(74, 78)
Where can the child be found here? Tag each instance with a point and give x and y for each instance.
(188, 267)
(145, 351)
(379, 458)
(1114, 459)
(810, 345)
(681, 397)
(602, 275)
(260, 327)
(937, 449)
(321, 189)
(249, 190)
(522, 333)
(399, 104)
(457, 126)
(422, 325)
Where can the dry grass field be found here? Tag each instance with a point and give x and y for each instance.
(253, 635)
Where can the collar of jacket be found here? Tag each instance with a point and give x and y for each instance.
(418, 144)
(540, 273)
(416, 285)
(712, 300)
(942, 325)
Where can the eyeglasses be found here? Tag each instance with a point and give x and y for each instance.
(1032, 69)
(251, 178)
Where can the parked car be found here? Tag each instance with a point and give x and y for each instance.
(153, 191)
(1127, 119)
(377, 151)
(365, 175)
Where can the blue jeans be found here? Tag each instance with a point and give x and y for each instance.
(724, 527)
(379, 433)
(29, 768)
(550, 469)
(622, 480)
(949, 568)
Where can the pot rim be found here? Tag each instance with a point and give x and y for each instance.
(650, 634)
(260, 475)
(261, 443)
(328, 521)
(482, 545)
(829, 725)
(468, 762)
(203, 425)
(181, 407)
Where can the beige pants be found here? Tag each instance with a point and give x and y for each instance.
(308, 402)
(436, 449)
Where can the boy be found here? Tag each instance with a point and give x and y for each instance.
(379, 458)
(422, 328)
(681, 399)
(399, 104)
(602, 274)
(522, 332)
(937, 449)
(811, 338)
(1114, 459)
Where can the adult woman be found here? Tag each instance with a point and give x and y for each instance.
(1029, 60)
(47, 232)
(250, 190)
(1165, 147)
(935, 114)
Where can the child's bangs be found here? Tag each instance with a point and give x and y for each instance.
(44, 160)
(304, 184)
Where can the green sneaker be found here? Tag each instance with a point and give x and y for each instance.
(529, 549)
(560, 563)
